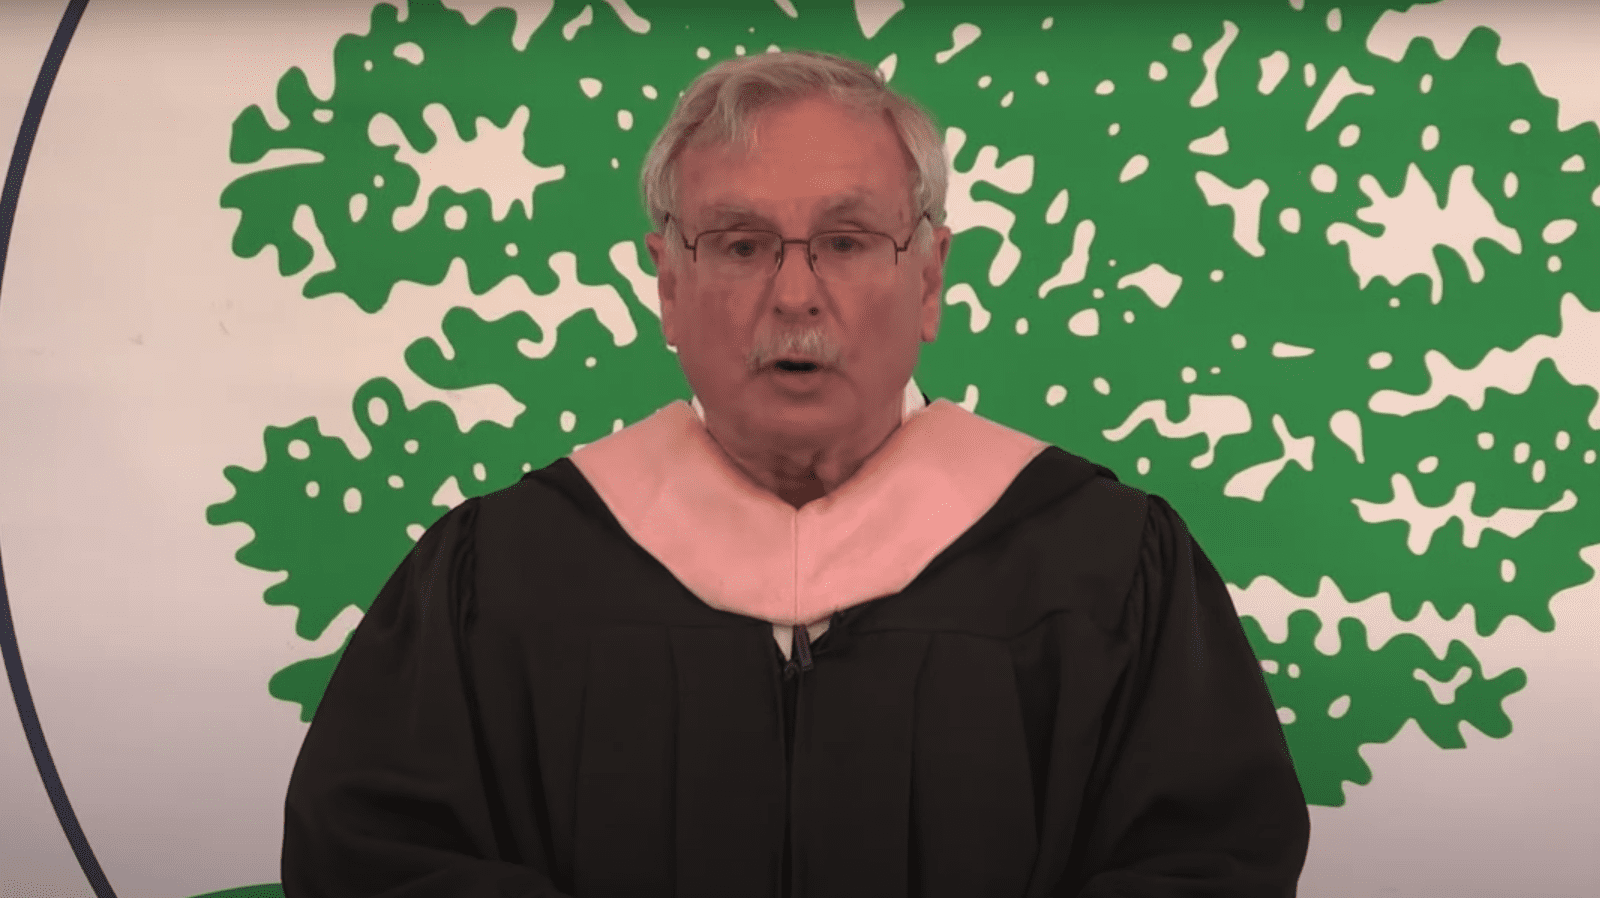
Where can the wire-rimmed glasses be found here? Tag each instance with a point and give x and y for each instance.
(838, 256)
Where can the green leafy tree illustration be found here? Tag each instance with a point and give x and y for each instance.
(1057, 325)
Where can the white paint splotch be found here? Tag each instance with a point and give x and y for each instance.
(963, 294)
(552, 309)
(1251, 483)
(530, 15)
(624, 257)
(1246, 205)
(1345, 425)
(961, 37)
(1213, 144)
(420, 308)
(1274, 66)
(1136, 165)
(1206, 93)
(872, 15)
(1217, 417)
(1076, 265)
(1157, 283)
(887, 66)
(1558, 231)
(493, 161)
(1444, 691)
(1423, 521)
(1555, 40)
(1058, 208)
(1572, 350)
(630, 20)
(965, 213)
(411, 52)
(1085, 323)
(570, 30)
(1324, 178)
(1340, 86)
(1414, 223)
(1270, 604)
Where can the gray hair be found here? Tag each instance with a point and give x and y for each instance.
(720, 106)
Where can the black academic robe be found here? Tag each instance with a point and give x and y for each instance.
(1063, 703)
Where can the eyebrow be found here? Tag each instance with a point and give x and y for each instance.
(724, 214)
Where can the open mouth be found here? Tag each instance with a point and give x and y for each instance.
(792, 365)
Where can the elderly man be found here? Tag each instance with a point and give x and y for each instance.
(808, 635)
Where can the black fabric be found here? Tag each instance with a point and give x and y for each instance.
(791, 693)
(1063, 703)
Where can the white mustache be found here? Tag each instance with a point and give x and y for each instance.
(812, 344)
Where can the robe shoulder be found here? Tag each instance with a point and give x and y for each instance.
(1064, 521)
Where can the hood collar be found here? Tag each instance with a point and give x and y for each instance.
(742, 549)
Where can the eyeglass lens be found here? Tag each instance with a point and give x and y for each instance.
(843, 256)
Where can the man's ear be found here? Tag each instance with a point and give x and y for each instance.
(933, 283)
(666, 285)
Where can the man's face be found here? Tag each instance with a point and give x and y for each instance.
(808, 155)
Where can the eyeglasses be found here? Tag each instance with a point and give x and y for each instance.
(840, 257)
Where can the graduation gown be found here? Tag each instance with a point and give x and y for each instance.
(1010, 675)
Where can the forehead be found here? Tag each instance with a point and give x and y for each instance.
(814, 157)
(860, 206)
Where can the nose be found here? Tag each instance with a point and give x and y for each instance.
(796, 287)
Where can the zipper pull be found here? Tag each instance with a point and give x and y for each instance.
(802, 647)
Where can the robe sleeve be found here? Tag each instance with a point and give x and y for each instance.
(1200, 796)
(389, 797)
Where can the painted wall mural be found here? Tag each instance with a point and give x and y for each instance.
(1322, 275)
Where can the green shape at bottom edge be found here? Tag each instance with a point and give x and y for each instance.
(265, 890)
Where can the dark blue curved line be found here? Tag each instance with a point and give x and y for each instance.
(8, 631)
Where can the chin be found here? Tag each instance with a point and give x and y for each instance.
(814, 410)
(814, 414)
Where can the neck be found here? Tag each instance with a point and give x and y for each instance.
(800, 470)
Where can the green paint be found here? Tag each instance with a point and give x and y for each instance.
(1304, 291)
(266, 890)
(1383, 693)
